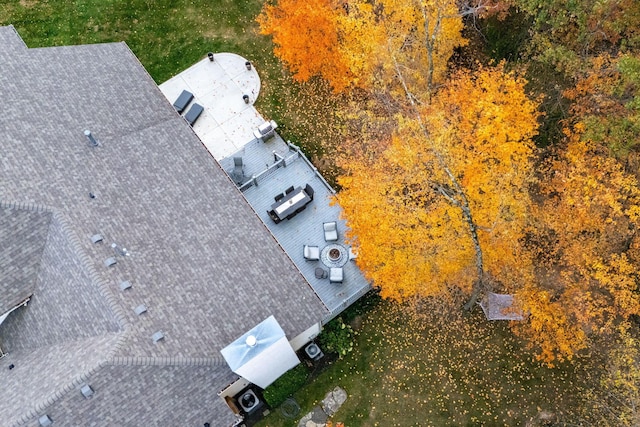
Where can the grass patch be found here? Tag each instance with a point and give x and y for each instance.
(167, 36)
(286, 385)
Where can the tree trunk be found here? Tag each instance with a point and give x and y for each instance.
(478, 284)
(459, 199)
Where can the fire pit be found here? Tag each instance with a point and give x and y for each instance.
(334, 255)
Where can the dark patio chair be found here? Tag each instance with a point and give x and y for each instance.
(279, 197)
(273, 216)
(309, 190)
(289, 190)
(238, 170)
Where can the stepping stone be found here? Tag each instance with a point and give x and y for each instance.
(334, 400)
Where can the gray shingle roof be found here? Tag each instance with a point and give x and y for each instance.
(11, 41)
(23, 234)
(200, 259)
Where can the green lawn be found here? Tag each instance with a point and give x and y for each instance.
(166, 35)
(435, 370)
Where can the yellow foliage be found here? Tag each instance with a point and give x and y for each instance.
(411, 238)
(422, 35)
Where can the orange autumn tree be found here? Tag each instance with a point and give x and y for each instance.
(588, 249)
(444, 205)
(319, 37)
(350, 43)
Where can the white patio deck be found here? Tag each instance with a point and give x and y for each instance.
(227, 122)
(226, 129)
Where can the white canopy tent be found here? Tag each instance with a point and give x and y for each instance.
(262, 354)
(500, 307)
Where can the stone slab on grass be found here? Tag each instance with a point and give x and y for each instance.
(334, 400)
(329, 406)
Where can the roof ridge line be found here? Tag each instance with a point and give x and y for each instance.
(84, 259)
(41, 406)
(167, 361)
(32, 207)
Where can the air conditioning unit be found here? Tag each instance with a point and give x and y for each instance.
(248, 401)
(313, 351)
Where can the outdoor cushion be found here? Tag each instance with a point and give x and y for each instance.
(311, 253)
(335, 275)
(183, 100)
(330, 231)
(193, 113)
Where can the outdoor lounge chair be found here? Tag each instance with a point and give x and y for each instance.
(311, 253)
(183, 100)
(330, 231)
(238, 170)
(279, 197)
(336, 275)
(193, 113)
(289, 190)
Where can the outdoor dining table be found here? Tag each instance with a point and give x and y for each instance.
(290, 203)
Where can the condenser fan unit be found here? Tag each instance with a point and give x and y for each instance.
(313, 351)
(248, 400)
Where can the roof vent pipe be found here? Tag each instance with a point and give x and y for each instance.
(90, 137)
(110, 261)
(45, 421)
(86, 391)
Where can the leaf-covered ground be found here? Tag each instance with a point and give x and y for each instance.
(439, 369)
